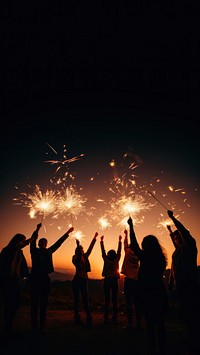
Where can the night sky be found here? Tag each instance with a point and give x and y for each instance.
(103, 79)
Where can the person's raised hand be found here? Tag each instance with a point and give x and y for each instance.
(77, 242)
(169, 228)
(70, 230)
(130, 222)
(39, 225)
(96, 234)
(170, 213)
(125, 233)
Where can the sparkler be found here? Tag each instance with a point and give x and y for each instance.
(126, 206)
(164, 223)
(157, 199)
(77, 235)
(39, 202)
(128, 200)
(104, 224)
(71, 203)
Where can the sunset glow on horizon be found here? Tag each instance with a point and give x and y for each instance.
(100, 202)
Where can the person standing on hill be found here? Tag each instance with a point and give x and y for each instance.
(152, 290)
(13, 267)
(111, 276)
(184, 274)
(80, 280)
(130, 269)
(42, 266)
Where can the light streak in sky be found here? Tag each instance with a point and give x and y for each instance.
(63, 161)
(125, 196)
(157, 200)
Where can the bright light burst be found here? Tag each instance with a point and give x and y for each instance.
(127, 200)
(42, 203)
(126, 196)
(127, 206)
(103, 222)
(77, 235)
(71, 202)
(164, 223)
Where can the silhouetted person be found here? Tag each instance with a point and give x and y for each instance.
(152, 291)
(184, 274)
(42, 266)
(129, 269)
(80, 280)
(111, 276)
(13, 267)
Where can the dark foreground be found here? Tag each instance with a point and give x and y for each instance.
(64, 337)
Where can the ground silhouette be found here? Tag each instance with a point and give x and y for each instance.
(64, 336)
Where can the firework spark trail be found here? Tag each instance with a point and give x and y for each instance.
(63, 161)
(127, 200)
(42, 203)
(62, 199)
(77, 235)
(70, 202)
(128, 196)
(104, 223)
(126, 206)
(163, 224)
(150, 193)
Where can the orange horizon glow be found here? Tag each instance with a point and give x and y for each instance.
(62, 258)
(100, 201)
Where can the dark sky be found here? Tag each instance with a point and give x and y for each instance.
(100, 74)
(103, 77)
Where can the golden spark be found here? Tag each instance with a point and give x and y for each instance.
(38, 202)
(71, 202)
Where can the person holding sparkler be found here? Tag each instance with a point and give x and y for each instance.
(42, 265)
(80, 280)
(129, 269)
(152, 290)
(111, 276)
(185, 278)
(13, 267)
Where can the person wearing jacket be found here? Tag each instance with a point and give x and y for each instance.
(152, 290)
(42, 266)
(80, 280)
(184, 275)
(111, 276)
(130, 269)
(13, 266)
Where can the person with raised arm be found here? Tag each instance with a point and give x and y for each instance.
(151, 287)
(184, 275)
(130, 269)
(42, 266)
(80, 280)
(111, 276)
(13, 268)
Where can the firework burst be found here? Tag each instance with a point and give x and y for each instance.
(104, 223)
(42, 203)
(71, 202)
(128, 199)
(63, 161)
